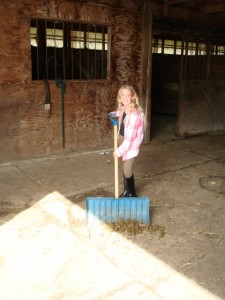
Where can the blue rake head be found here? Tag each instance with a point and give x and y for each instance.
(114, 121)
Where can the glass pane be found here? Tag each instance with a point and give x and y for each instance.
(33, 36)
(54, 37)
(169, 47)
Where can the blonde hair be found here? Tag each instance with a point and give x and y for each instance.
(134, 103)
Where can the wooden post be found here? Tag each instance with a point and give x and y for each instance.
(147, 66)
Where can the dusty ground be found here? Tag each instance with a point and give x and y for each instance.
(48, 252)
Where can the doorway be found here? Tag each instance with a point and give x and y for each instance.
(165, 95)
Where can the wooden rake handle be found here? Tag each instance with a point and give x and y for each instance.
(115, 125)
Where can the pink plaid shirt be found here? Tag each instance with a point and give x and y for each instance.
(133, 135)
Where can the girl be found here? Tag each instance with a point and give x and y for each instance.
(130, 133)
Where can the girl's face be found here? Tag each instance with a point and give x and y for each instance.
(126, 97)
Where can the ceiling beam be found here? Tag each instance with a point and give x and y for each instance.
(213, 8)
(171, 2)
(177, 14)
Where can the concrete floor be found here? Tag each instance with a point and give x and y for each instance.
(48, 252)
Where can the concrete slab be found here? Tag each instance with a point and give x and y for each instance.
(47, 252)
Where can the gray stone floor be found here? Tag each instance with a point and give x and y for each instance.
(48, 252)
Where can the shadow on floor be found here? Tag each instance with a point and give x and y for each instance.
(163, 125)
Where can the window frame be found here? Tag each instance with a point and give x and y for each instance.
(95, 65)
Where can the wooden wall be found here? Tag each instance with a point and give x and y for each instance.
(25, 130)
(202, 102)
(202, 107)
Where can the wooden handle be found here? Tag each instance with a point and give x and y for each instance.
(116, 163)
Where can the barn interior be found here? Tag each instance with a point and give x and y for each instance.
(56, 91)
(187, 36)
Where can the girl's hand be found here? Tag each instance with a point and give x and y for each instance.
(114, 154)
(114, 113)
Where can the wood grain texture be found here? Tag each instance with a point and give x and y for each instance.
(25, 130)
(199, 112)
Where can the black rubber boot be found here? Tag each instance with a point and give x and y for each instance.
(125, 190)
(131, 187)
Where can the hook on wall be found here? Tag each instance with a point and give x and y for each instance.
(47, 98)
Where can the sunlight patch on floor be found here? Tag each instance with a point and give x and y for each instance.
(47, 252)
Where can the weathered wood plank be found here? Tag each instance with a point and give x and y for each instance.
(25, 130)
(199, 113)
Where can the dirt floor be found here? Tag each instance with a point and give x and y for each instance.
(47, 251)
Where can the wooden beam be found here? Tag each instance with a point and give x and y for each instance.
(183, 15)
(213, 8)
(171, 2)
(147, 67)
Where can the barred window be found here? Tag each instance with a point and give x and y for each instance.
(175, 46)
(68, 50)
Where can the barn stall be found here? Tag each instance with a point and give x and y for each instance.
(56, 99)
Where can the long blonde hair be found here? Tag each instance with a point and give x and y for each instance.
(134, 104)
